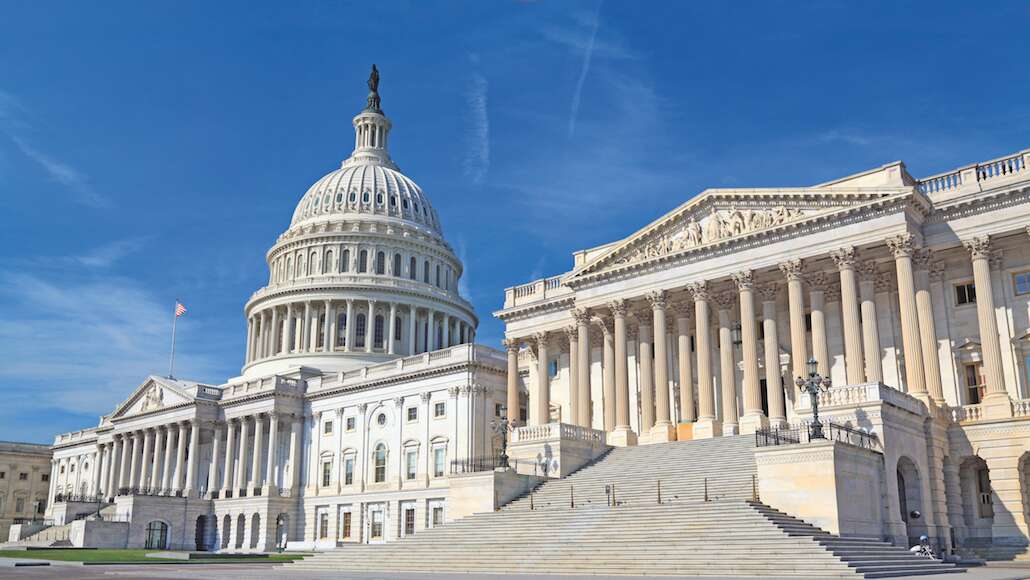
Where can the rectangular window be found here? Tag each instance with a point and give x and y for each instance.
(3, 475)
(965, 294)
(497, 409)
(440, 409)
(437, 515)
(412, 414)
(552, 368)
(409, 520)
(397, 329)
(1021, 282)
(411, 463)
(23, 477)
(350, 423)
(346, 525)
(323, 526)
(808, 322)
(327, 428)
(46, 477)
(523, 415)
(439, 457)
(974, 383)
(19, 505)
(348, 471)
(327, 473)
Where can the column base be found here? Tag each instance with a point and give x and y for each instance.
(622, 437)
(730, 429)
(753, 422)
(663, 432)
(706, 428)
(997, 406)
(778, 422)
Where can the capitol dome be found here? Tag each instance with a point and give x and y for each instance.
(362, 274)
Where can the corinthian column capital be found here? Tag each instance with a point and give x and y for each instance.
(793, 270)
(581, 315)
(845, 257)
(769, 291)
(618, 307)
(979, 247)
(901, 245)
(744, 280)
(699, 290)
(658, 299)
(512, 344)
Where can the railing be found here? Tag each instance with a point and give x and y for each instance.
(530, 433)
(774, 436)
(976, 174)
(81, 498)
(533, 291)
(40, 521)
(113, 518)
(967, 413)
(480, 464)
(1021, 408)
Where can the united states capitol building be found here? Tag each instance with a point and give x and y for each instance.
(366, 413)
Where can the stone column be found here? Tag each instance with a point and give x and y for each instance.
(663, 429)
(272, 338)
(685, 362)
(583, 369)
(273, 450)
(512, 346)
(144, 467)
(166, 475)
(305, 332)
(708, 425)
(241, 462)
(927, 328)
(902, 247)
(645, 374)
(180, 459)
(133, 461)
(996, 401)
(754, 417)
(230, 453)
(412, 330)
(817, 296)
(608, 373)
(216, 454)
(541, 409)
(773, 375)
(194, 460)
(446, 338)
(727, 364)
(854, 362)
(430, 331)
(327, 326)
(295, 425)
(255, 469)
(870, 326)
(572, 335)
(391, 331)
(348, 330)
(155, 468)
(250, 340)
(370, 323)
(287, 336)
(123, 469)
(98, 469)
(623, 434)
(792, 271)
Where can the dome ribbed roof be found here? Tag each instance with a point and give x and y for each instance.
(362, 189)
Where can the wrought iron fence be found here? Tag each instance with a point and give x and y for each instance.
(75, 497)
(479, 464)
(797, 434)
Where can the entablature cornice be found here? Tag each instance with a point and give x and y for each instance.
(405, 377)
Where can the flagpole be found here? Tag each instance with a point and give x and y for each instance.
(171, 360)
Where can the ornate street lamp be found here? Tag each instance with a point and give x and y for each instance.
(501, 427)
(813, 385)
(735, 334)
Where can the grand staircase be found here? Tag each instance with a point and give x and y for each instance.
(576, 526)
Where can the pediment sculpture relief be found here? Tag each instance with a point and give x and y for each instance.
(154, 399)
(718, 225)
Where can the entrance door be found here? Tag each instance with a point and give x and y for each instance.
(376, 524)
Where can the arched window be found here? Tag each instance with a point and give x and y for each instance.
(365, 197)
(341, 329)
(300, 265)
(255, 525)
(397, 265)
(157, 536)
(413, 269)
(359, 330)
(425, 272)
(289, 268)
(377, 333)
(438, 275)
(362, 261)
(345, 261)
(380, 263)
(329, 266)
(313, 263)
(439, 337)
(397, 329)
(320, 337)
(379, 199)
(380, 463)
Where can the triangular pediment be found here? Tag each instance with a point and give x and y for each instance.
(154, 394)
(721, 216)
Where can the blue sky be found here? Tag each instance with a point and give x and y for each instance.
(151, 150)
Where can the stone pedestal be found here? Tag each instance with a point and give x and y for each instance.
(555, 449)
(707, 428)
(753, 422)
(685, 431)
(622, 438)
(663, 433)
(997, 406)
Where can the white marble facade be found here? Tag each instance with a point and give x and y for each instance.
(361, 388)
(697, 325)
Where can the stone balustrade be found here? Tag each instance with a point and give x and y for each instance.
(977, 176)
(541, 289)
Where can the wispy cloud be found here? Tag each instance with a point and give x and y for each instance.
(588, 53)
(106, 255)
(477, 155)
(15, 123)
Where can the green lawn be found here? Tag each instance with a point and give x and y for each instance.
(75, 555)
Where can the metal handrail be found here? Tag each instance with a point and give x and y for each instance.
(798, 434)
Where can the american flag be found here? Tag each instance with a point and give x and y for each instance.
(179, 309)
